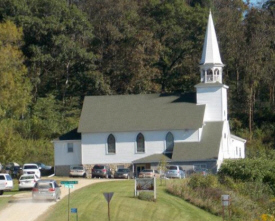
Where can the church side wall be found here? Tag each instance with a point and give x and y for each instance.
(94, 146)
(63, 157)
(238, 148)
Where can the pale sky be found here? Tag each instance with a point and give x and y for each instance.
(256, 2)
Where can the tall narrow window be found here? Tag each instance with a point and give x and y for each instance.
(169, 142)
(111, 144)
(140, 143)
(70, 147)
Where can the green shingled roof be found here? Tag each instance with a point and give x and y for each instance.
(154, 158)
(126, 113)
(207, 149)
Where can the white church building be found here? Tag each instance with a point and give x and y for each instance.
(140, 131)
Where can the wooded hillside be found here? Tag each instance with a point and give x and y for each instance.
(55, 52)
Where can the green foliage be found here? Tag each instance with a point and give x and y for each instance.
(257, 170)
(248, 199)
(199, 181)
(14, 86)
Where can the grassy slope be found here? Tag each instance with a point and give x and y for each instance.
(92, 205)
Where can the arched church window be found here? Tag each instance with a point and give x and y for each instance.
(140, 143)
(111, 144)
(217, 72)
(169, 142)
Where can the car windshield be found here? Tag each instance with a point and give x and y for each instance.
(123, 170)
(98, 167)
(26, 177)
(147, 171)
(172, 168)
(77, 168)
(8, 177)
(44, 185)
(30, 167)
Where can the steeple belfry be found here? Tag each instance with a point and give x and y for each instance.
(211, 63)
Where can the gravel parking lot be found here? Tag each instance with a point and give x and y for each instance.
(21, 207)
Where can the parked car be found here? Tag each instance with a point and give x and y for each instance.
(45, 170)
(31, 168)
(77, 171)
(6, 182)
(123, 173)
(101, 170)
(147, 173)
(175, 171)
(13, 169)
(46, 189)
(27, 181)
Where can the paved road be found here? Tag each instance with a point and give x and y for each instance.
(22, 208)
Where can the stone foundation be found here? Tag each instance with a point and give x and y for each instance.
(63, 170)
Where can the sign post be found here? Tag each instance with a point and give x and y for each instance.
(146, 184)
(225, 203)
(108, 197)
(74, 210)
(70, 185)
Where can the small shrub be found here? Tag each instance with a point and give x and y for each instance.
(200, 181)
(146, 196)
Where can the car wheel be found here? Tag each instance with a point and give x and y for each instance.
(84, 175)
(1, 192)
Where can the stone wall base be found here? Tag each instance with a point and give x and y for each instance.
(63, 170)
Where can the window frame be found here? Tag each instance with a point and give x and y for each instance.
(70, 147)
(139, 136)
(109, 147)
(169, 135)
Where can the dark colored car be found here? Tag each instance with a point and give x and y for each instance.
(44, 169)
(123, 173)
(101, 170)
(14, 169)
(46, 189)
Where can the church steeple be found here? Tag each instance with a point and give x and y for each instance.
(211, 63)
(211, 91)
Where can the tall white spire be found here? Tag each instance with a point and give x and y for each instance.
(210, 53)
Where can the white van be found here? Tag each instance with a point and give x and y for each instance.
(6, 182)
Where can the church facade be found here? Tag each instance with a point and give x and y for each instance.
(141, 131)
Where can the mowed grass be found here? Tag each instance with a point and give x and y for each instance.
(92, 205)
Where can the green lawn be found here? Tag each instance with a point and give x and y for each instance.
(92, 205)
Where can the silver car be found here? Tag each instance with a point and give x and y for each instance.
(77, 171)
(175, 172)
(46, 189)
